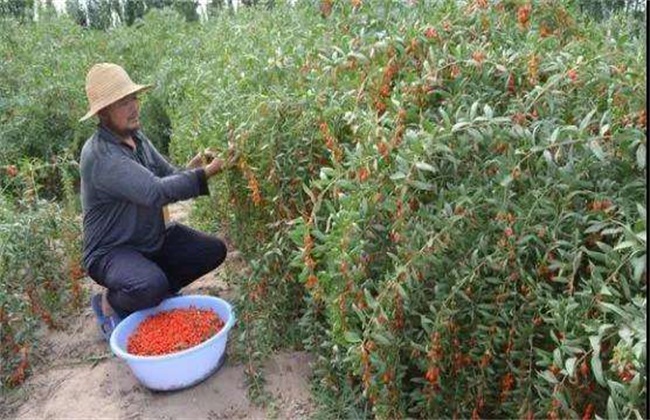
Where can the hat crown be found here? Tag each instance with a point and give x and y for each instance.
(107, 83)
(105, 77)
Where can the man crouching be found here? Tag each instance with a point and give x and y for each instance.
(125, 182)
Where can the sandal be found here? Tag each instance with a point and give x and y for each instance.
(105, 323)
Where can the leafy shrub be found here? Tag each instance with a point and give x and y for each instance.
(459, 192)
(40, 248)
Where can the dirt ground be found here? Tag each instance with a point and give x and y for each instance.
(81, 379)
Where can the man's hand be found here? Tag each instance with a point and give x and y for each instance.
(212, 163)
(201, 159)
(214, 167)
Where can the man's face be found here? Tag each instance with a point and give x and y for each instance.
(123, 116)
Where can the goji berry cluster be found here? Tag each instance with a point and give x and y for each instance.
(174, 330)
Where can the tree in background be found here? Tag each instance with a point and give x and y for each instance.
(22, 10)
(102, 14)
(604, 9)
(47, 9)
(187, 9)
(216, 7)
(76, 11)
(133, 9)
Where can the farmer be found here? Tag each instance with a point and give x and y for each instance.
(125, 182)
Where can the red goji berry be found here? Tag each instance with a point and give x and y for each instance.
(173, 330)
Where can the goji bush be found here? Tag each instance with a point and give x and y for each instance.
(40, 271)
(447, 202)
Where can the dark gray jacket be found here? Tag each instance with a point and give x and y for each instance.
(123, 193)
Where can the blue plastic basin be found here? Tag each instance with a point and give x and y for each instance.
(181, 369)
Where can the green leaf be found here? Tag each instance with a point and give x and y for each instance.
(639, 265)
(594, 340)
(617, 389)
(554, 135)
(381, 339)
(548, 376)
(401, 291)
(507, 180)
(642, 236)
(427, 324)
(603, 246)
(598, 256)
(372, 303)
(362, 58)
(425, 167)
(476, 134)
(604, 129)
(586, 120)
(573, 350)
(611, 231)
(557, 357)
(311, 195)
(640, 156)
(548, 157)
(561, 397)
(595, 148)
(597, 368)
(326, 172)
(445, 117)
(473, 110)
(459, 125)
(612, 413)
(595, 227)
(487, 111)
(635, 387)
(397, 176)
(624, 245)
(625, 285)
(352, 337)
(602, 329)
(608, 307)
(626, 334)
(570, 365)
(422, 185)
(360, 314)
(641, 210)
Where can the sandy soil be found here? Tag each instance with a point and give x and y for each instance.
(81, 379)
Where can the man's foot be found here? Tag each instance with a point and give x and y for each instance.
(107, 309)
(105, 322)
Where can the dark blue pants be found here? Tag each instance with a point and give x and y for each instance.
(135, 281)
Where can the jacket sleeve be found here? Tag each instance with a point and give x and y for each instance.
(125, 179)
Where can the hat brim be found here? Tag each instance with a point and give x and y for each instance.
(95, 110)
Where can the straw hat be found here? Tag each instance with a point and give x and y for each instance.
(107, 83)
